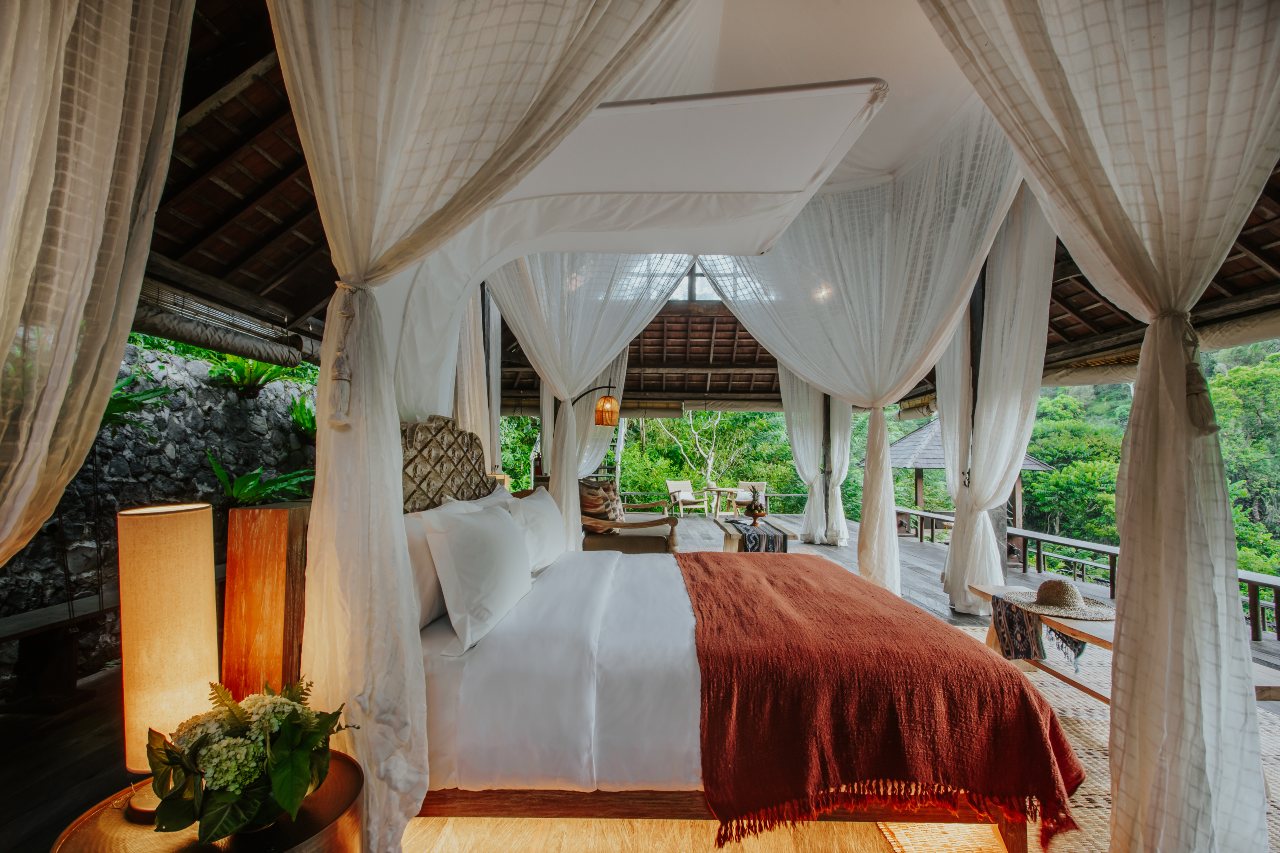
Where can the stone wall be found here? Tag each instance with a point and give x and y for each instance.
(161, 461)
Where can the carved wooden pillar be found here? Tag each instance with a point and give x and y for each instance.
(263, 609)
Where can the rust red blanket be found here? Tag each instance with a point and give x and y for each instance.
(822, 691)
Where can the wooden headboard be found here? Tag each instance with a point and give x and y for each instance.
(442, 461)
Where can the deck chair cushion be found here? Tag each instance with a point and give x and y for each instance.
(601, 504)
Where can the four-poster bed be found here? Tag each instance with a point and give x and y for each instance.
(600, 654)
(433, 144)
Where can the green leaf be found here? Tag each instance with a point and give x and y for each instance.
(221, 696)
(176, 811)
(221, 473)
(167, 765)
(225, 813)
(319, 766)
(320, 730)
(291, 776)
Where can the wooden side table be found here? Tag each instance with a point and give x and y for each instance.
(329, 821)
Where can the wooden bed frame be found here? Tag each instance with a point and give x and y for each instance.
(442, 461)
(671, 805)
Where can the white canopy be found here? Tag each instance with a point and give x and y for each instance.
(722, 173)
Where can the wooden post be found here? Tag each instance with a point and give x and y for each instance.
(826, 461)
(263, 609)
(1255, 613)
(919, 488)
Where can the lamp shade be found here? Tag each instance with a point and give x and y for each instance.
(168, 620)
(607, 411)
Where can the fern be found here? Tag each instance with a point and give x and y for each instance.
(245, 375)
(255, 488)
(299, 692)
(221, 697)
(303, 413)
(124, 405)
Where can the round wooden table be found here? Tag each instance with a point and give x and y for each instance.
(329, 821)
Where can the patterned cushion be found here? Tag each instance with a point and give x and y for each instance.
(600, 500)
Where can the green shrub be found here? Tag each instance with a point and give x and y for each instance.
(253, 488)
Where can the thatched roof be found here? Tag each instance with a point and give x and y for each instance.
(922, 448)
(238, 228)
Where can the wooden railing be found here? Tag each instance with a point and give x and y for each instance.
(1079, 568)
(1254, 583)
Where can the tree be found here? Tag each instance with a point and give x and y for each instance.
(1246, 400)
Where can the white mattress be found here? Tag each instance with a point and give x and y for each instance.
(590, 683)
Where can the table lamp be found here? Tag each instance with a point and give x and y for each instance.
(168, 625)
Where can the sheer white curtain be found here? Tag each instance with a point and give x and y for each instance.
(88, 96)
(841, 415)
(803, 412)
(414, 117)
(593, 440)
(1019, 278)
(493, 353)
(572, 313)
(471, 388)
(859, 296)
(1148, 130)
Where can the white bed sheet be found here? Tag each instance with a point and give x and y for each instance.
(590, 683)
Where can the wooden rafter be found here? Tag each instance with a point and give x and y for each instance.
(227, 93)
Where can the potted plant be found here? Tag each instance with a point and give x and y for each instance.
(243, 765)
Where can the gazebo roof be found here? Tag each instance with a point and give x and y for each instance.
(922, 448)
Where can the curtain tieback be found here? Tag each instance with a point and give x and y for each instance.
(344, 315)
(1199, 405)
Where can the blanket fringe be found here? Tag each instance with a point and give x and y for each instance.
(896, 795)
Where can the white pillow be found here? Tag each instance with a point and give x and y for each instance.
(543, 525)
(499, 497)
(483, 566)
(425, 579)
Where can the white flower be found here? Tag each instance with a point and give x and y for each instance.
(210, 723)
(232, 763)
(267, 712)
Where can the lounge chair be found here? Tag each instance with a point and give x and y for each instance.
(684, 496)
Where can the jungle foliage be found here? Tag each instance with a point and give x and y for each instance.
(1078, 431)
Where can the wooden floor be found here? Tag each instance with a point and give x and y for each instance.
(65, 762)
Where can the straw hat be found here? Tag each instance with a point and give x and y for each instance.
(1061, 598)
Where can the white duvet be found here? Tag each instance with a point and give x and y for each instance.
(590, 683)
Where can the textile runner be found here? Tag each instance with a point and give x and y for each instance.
(762, 540)
(822, 691)
(1018, 634)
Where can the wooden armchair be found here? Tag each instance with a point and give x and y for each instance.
(684, 496)
(652, 535)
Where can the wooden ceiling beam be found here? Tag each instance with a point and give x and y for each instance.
(1262, 299)
(248, 204)
(228, 92)
(290, 268)
(1260, 256)
(189, 191)
(1073, 314)
(307, 316)
(717, 369)
(215, 289)
(286, 228)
